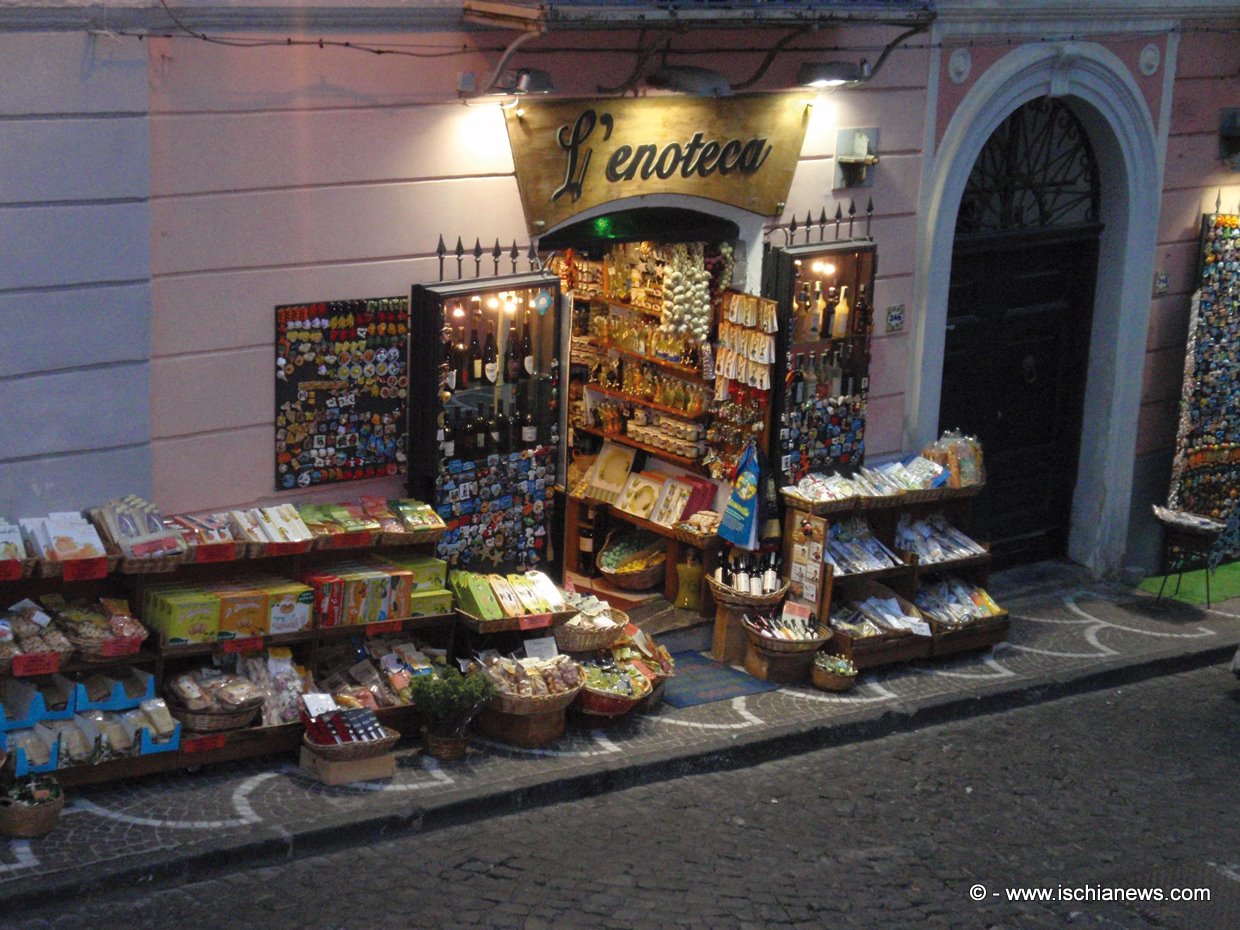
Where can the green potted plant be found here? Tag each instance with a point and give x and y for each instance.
(448, 701)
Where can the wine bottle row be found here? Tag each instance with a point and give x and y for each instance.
(827, 314)
(476, 363)
(471, 433)
(754, 574)
(829, 374)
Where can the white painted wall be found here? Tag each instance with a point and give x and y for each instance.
(75, 296)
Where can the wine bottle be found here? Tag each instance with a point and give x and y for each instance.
(449, 363)
(795, 383)
(527, 350)
(839, 326)
(529, 431)
(514, 427)
(475, 354)
(811, 378)
(493, 432)
(512, 355)
(481, 434)
(770, 577)
(755, 576)
(461, 359)
(861, 312)
(447, 437)
(828, 314)
(490, 358)
(815, 314)
(465, 435)
(740, 577)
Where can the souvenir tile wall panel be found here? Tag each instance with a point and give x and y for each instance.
(342, 382)
(1206, 471)
(497, 509)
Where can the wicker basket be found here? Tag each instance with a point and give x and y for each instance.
(445, 748)
(599, 703)
(352, 752)
(532, 704)
(154, 565)
(427, 534)
(26, 821)
(830, 681)
(98, 650)
(767, 644)
(726, 595)
(574, 639)
(200, 722)
(49, 568)
(631, 581)
(880, 501)
(818, 508)
(968, 490)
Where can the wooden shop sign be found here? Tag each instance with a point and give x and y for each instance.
(572, 155)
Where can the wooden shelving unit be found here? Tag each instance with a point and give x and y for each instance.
(641, 401)
(622, 439)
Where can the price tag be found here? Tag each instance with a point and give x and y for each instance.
(10, 569)
(204, 743)
(383, 626)
(534, 622)
(85, 569)
(543, 647)
(286, 548)
(216, 552)
(352, 540)
(122, 646)
(249, 644)
(36, 663)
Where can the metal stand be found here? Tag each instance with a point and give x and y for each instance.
(1189, 543)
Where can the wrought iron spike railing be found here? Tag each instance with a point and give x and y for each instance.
(795, 226)
(497, 255)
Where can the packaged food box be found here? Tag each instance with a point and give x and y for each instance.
(429, 574)
(185, 615)
(290, 606)
(244, 609)
(328, 597)
(430, 603)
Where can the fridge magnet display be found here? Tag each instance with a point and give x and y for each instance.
(342, 381)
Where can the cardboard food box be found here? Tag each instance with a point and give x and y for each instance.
(290, 606)
(244, 610)
(429, 574)
(430, 603)
(187, 615)
(343, 773)
(328, 595)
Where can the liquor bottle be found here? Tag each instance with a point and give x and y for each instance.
(755, 576)
(447, 437)
(820, 308)
(527, 350)
(839, 326)
(465, 435)
(481, 434)
(861, 312)
(529, 431)
(475, 354)
(795, 383)
(828, 314)
(512, 355)
(585, 545)
(837, 374)
(490, 358)
(493, 432)
(814, 311)
(461, 359)
(811, 378)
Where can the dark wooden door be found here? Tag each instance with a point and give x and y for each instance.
(1014, 368)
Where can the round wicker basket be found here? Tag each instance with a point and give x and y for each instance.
(351, 752)
(768, 644)
(446, 748)
(570, 638)
(831, 681)
(726, 595)
(532, 704)
(26, 821)
(640, 580)
(599, 703)
(201, 722)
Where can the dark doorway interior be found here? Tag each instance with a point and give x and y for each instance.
(1019, 314)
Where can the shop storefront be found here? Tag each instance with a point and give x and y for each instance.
(559, 318)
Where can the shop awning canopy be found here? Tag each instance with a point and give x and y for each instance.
(663, 224)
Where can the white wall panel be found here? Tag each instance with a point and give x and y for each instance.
(48, 330)
(241, 385)
(73, 159)
(55, 246)
(69, 72)
(71, 482)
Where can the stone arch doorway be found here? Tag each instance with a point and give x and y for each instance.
(1110, 106)
(1019, 313)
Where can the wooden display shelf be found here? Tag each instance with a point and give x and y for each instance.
(381, 627)
(697, 540)
(683, 461)
(632, 308)
(951, 566)
(236, 645)
(979, 634)
(686, 372)
(641, 401)
(530, 622)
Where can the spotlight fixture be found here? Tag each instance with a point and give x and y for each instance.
(830, 74)
(701, 82)
(523, 81)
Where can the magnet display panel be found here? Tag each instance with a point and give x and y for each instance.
(342, 384)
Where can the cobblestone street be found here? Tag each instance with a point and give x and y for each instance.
(1125, 787)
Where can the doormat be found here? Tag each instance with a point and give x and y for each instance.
(1224, 585)
(699, 680)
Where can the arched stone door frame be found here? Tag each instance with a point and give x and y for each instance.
(1106, 98)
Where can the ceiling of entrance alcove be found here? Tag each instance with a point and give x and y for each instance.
(660, 224)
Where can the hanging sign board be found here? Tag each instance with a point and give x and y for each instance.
(572, 155)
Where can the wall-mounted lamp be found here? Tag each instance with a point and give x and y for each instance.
(831, 73)
(687, 79)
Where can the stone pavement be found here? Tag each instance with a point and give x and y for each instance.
(1068, 636)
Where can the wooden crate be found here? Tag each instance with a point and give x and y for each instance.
(778, 666)
(527, 730)
(343, 773)
(884, 649)
(728, 643)
(980, 634)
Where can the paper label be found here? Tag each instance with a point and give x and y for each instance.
(215, 552)
(810, 591)
(36, 663)
(122, 646)
(248, 644)
(920, 628)
(204, 743)
(542, 647)
(383, 626)
(534, 622)
(643, 669)
(317, 703)
(85, 569)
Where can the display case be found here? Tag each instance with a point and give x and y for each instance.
(823, 292)
(486, 420)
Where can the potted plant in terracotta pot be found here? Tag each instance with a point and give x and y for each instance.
(448, 701)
